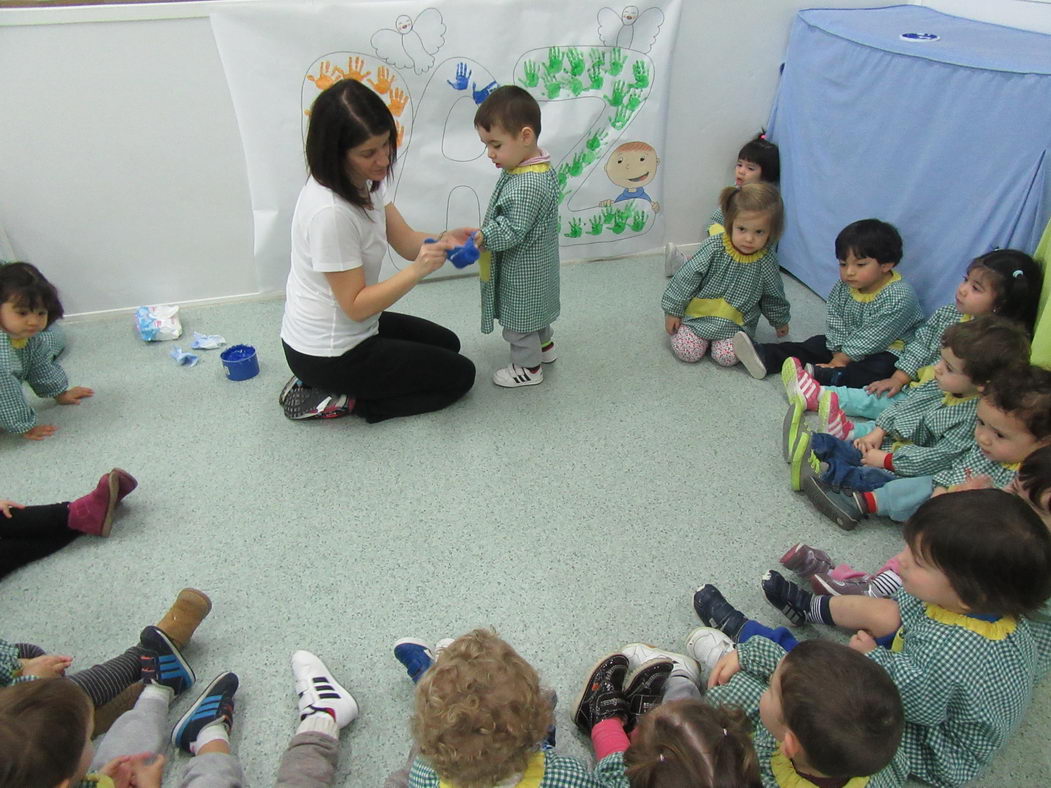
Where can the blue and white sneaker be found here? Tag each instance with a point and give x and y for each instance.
(216, 704)
(163, 663)
(318, 690)
(415, 655)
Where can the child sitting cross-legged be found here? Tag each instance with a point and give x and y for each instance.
(955, 639)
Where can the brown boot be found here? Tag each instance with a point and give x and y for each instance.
(107, 714)
(182, 619)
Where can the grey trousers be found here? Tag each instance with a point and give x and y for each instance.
(525, 348)
(679, 687)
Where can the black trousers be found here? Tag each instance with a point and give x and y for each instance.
(32, 533)
(411, 366)
(856, 374)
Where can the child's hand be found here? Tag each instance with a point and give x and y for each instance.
(838, 360)
(460, 235)
(781, 331)
(39, 432)
(147, 769)
(889, 386)
(874, 458)
(671, 324)
(74, 395)
(724, 669)
(6, 506)
(939, 491)
(980, 482)
(119, 771)
(863, 642)
(872, 440)
(49, 666)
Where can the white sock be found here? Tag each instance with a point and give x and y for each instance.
(159, 691)
(213, 731)
(319, 722)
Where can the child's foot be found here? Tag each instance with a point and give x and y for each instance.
(415, 655)
(639, 654)
(791, 600)
(548, 353)
(797, 382)
(644, 687)
(603, 695)
(791, 426)
(210, 717)
(843, 509)
(191, 607)
(163, 663)
(806, 561)
(831, 417)
(125, 482)
(749, 354)
(708, 645)
(320, 693)
(715, 611)
(804, 463)
(825, 584)
(673, 259)
(512, 376)
(302, 403)
(93, 513)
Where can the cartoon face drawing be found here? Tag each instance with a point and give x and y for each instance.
(629, 14)
(632, 168)
(403, 24)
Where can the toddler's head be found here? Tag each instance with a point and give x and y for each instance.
(835, 712)
(480, 712)
(973, 351)
(688, 742)
(977, 551)
(1014, 414)
(753, 216)
(45, 733)
(1033, 483)
(508, 124)
(867, 251)
(1004, 281)
(757, 161)
(28, 302)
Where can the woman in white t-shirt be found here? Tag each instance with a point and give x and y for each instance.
(347, 352)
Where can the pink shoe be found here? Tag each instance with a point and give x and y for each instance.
(827, 585)
(797, 380)
(806, 561)
(847, 572)
(125, 482)
(93, 513)
(831, 417)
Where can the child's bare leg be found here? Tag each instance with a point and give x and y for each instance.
(878, 617)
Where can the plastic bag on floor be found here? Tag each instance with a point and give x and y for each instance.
(158, 322)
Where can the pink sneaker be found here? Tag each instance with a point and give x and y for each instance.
(806, 561)
(797, 380)
(125, 482)
(827, 585)
(831, 417)
(93, 513)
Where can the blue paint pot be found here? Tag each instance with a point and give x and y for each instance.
(240, 361)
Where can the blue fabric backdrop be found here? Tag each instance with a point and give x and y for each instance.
(947, 139)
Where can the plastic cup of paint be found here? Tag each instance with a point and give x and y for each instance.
(240, 362)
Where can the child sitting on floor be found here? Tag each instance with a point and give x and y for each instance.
(871, 314)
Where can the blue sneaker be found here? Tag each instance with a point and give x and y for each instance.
(216, 704)
(415, 655)
(163, 663)
(713, 609)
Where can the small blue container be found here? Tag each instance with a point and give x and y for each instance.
(240, 361)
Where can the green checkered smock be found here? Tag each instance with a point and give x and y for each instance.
(928, 430)
(925, 347)
(545, 770)
(974, 463)
(759, 658)
(1040, 625)
(520, 284)
(10, 664)
(720, 291)
(33, 364)
(716, 219)
(965, 685)
(862, 324)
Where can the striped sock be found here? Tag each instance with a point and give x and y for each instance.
(885, 584)
(820, 612)
(107, 680)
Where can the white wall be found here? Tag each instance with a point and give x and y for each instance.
(1026, 14)
(121, 171)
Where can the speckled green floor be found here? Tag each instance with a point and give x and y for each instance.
(573, 517)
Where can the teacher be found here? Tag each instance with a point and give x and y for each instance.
(347, 352)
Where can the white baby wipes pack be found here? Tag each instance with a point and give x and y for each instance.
(158, 322)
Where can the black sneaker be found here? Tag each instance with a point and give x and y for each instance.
(790, 599)
(302, 402)
(215, 703)
(603, 696)
(715, 611)
(163, 663)
(644, 688)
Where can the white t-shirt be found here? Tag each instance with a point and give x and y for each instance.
(330, 234)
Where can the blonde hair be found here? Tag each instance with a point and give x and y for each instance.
(480, 712)
(758, 197)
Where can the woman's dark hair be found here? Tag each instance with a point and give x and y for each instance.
(764, 153)
(24, 286)
(870, 238)
(43, 727)
(992, 547)
(343, 117)
(1018, 281)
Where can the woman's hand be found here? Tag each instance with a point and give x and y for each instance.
(6, 506)
(432, 256)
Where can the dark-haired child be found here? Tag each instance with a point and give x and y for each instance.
(29, 303)
(961, 651)
(520, 281)
(871, 314)
(731, 281)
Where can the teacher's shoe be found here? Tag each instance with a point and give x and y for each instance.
(303, 402)
(513, 376)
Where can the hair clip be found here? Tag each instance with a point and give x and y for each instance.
(661, 757)
(1017, 273)
(724, 732)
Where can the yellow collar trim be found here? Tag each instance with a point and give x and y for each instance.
(990, 630)
(866, 297)
(787, 777)
(741, 258)
(531, 777)
(541, 167)
(18, 344)
(952, 399)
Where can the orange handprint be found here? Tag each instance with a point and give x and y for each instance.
(401, 132)
(355, 69)
(324, 80)
(385, 80)
(398, 99)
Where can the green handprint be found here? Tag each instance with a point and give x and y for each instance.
(531, 74)
(634, 100)
(576, 228)
(609, 213)
(554, 60)
(620, 221)
(638, 221)
(616, 97)
(595, 140)
(554, 87)
(642, 74)
(595, 75)
(616, 61)
(576, 61)
(576, 169)
(597, 58)
(620, 120)
(563, 175)
(596, 225)
(589, 157)
(574, 85)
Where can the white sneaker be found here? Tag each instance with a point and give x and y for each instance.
(673, 259)
(708, 645)
(318, 690)
(640, 653)
(549, 355)
(748, 354)
(513, 376)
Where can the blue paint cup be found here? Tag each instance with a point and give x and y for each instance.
(240, 361)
